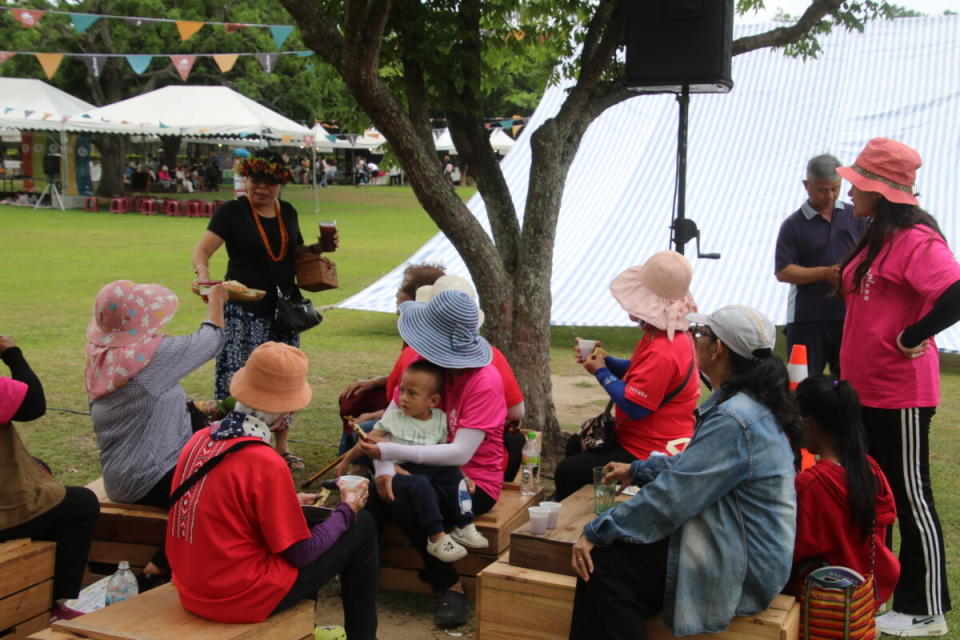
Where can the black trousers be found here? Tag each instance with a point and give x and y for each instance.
(822, 340)
(576, 470)
(434, 494)
(159, 496)
(899, 440)
(439, 575)
(626, 586)
(355, 557)
(70, 524)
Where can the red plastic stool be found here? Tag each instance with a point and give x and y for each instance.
(120, 205)
(148, 206)
(171, 207)
(206, 209)
(193, 209)
(91, 204)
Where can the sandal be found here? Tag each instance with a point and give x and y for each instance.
(295, 463)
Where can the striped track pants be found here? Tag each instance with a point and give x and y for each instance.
(899, 441)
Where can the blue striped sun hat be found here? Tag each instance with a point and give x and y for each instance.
(444, 331)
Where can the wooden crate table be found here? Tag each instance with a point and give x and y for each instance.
(130, 532)
(157, 615)
(400, 564)
(550, 551)
(516, 603)
(26, 587)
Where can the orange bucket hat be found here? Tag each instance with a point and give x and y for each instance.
(274, 379)
(886, 167)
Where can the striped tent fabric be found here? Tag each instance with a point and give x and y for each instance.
(747, 152)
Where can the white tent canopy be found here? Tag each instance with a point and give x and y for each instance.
(326, 142)
(33, 104)
(500, 141)
(190, 110)
(443, 142)
(747, 153)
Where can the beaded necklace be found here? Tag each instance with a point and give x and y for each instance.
(263, 234)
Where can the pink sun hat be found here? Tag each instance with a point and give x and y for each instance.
(127, 313)
(886, 167)
(658, 291)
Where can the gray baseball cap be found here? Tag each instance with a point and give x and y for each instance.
(743, 329)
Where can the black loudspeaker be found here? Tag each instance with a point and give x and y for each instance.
(51, 165)
(672, 43)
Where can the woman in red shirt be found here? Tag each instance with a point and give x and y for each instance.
(656, 390)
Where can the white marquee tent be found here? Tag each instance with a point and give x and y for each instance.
(747, 152)
(193, 111)
(33, 104)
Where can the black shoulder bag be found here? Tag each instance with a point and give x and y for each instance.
(599, 433)
(206, 467)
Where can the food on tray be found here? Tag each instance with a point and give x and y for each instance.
(237, 290)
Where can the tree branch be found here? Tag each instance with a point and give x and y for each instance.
(788, 35)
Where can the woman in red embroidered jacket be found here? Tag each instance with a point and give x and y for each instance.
(844, 504)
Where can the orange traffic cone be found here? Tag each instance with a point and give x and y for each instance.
(797, 371)
(797, 366)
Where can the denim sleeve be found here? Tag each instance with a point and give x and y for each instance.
(645, 471)
(713, 464)
(617, 366)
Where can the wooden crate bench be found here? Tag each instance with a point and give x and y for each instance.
(157, 615)
(26, 587)
(550, 551)
(516, 603)
(130, 532)
(400, 564)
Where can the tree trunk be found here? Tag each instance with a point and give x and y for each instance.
(113, 151)
(171, 148)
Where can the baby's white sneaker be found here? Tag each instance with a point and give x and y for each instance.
(446, 549)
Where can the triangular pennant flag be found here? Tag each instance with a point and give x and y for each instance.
(230, 27)
(166, 126)
(183, 65)
(308, 141)
(27, 113)
(83, 21)
(280, 33)
(28, 17)
(50, 62)
(47, 115)
(95, 64)
(304, 54)
(225, 61)
(139, 63)
(506, 124)
(7, 110)
(6, 55)
(187, 28)
(268, 61)
(285, 138)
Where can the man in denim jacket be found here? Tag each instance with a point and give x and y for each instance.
(710, 534)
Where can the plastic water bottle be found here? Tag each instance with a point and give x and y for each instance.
(122, 584)
(530, 466)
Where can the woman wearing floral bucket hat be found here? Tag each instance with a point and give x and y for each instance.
(133, 379)
(656, 390)
(444, 331)
(901, 286)
(262, 237)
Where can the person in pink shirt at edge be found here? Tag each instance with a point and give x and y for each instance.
(656, 390)
(445, 332)
(901, 286)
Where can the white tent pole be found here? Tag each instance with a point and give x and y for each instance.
(313, 171)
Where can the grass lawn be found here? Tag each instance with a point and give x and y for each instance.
(55, 262)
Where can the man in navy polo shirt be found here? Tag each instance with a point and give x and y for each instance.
(812, 242)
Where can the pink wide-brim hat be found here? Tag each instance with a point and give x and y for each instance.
(126, 313)
(886, 167)
(658, 291)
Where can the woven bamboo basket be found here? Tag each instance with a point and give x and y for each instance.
(316, 273)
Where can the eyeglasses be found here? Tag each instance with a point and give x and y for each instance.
(703, 331)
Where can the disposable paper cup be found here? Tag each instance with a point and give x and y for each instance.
(586, 347)
(554, 508)
(539, 516)
(350, 482)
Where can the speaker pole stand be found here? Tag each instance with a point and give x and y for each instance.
(56, 200)
(683, 98)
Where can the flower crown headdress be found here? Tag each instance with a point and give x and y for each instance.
(257, 166)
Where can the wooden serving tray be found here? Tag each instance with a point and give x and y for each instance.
(250, 295)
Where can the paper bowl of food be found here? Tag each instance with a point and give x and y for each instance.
(237, 290)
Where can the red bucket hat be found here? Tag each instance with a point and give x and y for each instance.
(886, 167)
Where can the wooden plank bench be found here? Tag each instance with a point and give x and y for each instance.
(516, 603)
(26, 586)
(130, 532)
(400, 563)
(157, 615)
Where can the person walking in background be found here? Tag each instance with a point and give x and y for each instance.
(811, 244)
(901, 286)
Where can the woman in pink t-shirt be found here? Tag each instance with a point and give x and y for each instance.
(901, 286)
(444, 331)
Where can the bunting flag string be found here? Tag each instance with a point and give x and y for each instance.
(187, 28)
